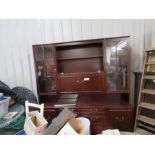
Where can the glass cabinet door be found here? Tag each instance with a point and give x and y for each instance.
(111, 65)
(117, 65)
(45, 69)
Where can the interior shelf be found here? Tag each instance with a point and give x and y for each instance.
(84, 73)
(47, 93)
(88, 57)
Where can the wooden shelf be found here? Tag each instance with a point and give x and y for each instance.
(147, 105)
(150, 50)
(118, 91)
(83, 73)
(47, 93)
(150, 63)
(79, 43)
(148, 91)
(147, 120)
(44, 77)
(74, 58)
(149, 77)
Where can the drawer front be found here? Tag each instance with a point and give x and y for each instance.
(67, 84)
(82, 83)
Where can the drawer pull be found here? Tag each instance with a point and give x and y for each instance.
(84, 80)
(122, 117)
(116, 117)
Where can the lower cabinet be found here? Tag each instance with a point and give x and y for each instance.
(100, 118)
(120, 119)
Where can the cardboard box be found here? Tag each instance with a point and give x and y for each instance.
(35, 123)
(72, 127)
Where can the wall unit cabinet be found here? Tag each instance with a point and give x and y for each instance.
(90, 68)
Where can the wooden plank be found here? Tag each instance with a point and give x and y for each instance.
(147, 105)
(147, 120)
(150, 63)
(148, 91)
(142, 131)
(59, 122)
(149, 77)
(146, 127)
(150, 50)
(140, 91)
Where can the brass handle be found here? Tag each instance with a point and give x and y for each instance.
(122, 117)
(117, 117)
(78, 81)
(90, 110)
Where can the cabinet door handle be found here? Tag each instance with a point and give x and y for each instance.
(116, 117)
(78, 81)
(122, 117)
(72, 110)
(96, 118)
(90, 110)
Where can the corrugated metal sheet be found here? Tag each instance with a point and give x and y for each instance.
(18, 36)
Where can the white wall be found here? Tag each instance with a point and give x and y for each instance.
(18, 36)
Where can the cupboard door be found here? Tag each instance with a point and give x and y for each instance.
(45, 67)
(120, 119)
(97, 124)
(117, 61)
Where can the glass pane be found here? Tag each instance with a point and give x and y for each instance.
(111, 65)
(39, 60)
(48, 61)
(51, 84)
(122, 64)
(47, 84)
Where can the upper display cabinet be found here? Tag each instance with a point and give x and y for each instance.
(88, 66)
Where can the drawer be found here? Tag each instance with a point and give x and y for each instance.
(97, 110)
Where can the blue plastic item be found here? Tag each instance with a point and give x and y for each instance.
(22, 132)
